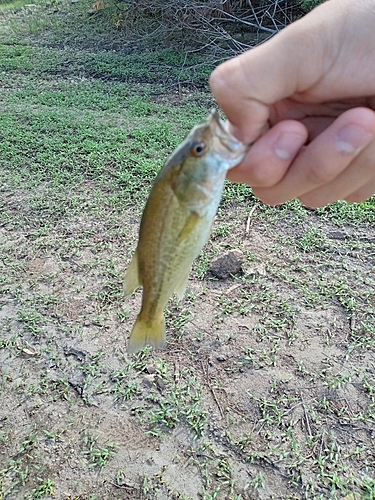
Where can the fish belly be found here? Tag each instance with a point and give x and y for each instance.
(173, 258)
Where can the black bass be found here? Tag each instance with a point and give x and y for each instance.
(176, 223)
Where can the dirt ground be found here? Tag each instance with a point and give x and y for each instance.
(263, 389)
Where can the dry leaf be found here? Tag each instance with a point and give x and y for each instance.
(99, 5)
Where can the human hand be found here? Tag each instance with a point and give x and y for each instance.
(306, 100)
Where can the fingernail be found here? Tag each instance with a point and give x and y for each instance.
(352, 138)
(287, 145)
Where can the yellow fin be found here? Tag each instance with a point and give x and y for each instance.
(132, 281)
(147, 333)
(180, 288)
(189, 226)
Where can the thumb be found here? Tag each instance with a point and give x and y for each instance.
(289, 64)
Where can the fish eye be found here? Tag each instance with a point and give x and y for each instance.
(198, 149)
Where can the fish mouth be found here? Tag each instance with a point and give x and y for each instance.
(227, 146)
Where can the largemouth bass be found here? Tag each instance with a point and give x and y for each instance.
(176, 223)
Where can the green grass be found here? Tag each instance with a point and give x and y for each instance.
(71, 130)
(98, 455)
(5, 5)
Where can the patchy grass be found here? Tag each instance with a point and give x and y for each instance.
(5, 5)
(266, 388)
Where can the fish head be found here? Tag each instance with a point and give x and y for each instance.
(200, 163)
(209, 141)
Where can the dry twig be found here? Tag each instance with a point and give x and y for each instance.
(218, 27)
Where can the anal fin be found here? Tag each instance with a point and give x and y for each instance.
(180, 288)
(132, 281)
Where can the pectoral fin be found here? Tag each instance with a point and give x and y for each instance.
(132, 281)
(189, 226)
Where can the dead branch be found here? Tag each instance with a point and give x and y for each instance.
(217, 27)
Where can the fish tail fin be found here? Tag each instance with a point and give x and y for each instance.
(147, 333)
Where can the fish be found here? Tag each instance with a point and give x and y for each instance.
(176, 223)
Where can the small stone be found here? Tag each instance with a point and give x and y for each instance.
(159, 383)
(221, 357)
(226, 264)
(148, 380)
(257, 268)
(337, 235)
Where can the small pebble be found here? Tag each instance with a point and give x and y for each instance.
(226, 264)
